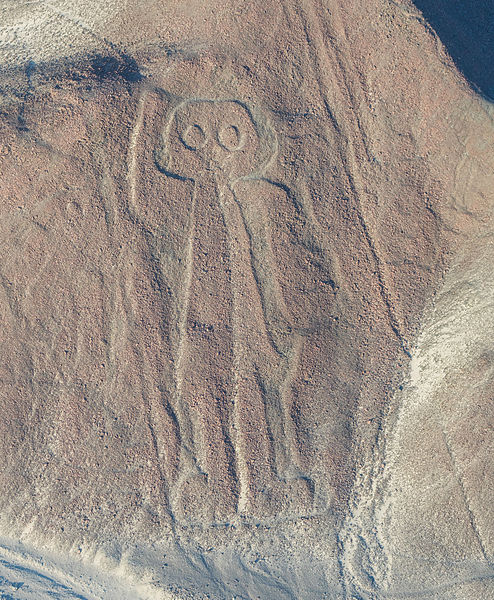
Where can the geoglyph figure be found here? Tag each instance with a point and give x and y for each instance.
(241, 332)
(235, 347)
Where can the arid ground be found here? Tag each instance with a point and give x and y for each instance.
(246, 299)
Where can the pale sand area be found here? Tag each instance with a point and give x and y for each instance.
(26, 574)
(422, 514)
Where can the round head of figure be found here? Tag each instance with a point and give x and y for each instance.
(218, 136)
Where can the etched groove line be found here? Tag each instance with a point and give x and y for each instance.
(194, 150)
(132, 153)
(283, 453)
(461, 485)
(222, 414)
(229, 428)
(139, 354)
(261, 292)
(288, 422)
(346, 149)
(115, 332)
(152, 412)
(340, 52)
(179, 363)
(341, 137)
(358, 192)
(347, 153)
(319, 235)
(241, 461)
(353, 92)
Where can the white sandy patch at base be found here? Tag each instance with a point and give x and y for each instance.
(25, 574)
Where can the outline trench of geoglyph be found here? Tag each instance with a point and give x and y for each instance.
(235, 422)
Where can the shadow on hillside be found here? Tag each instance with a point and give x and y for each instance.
(466, 28)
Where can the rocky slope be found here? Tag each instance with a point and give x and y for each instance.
(245, 298)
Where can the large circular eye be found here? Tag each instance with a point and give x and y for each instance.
(194, 137)
(230, 138)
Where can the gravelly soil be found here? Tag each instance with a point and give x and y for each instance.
(221, 226)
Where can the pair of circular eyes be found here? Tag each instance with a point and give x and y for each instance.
(229, 138)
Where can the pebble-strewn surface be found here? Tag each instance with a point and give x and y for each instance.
(245, 298)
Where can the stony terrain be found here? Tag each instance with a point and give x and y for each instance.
(246, 297)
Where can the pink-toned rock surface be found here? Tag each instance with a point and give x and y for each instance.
(240, 254)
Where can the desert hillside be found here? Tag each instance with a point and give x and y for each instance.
(246, 300)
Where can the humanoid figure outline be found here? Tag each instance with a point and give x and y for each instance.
(219, 147)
